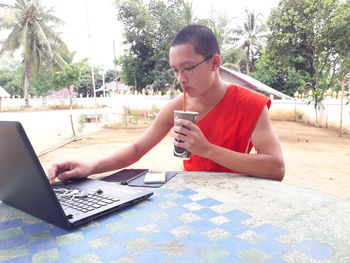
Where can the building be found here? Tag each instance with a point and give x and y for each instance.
(63, 93)
(244, 80)
(3, 94)
(115, 86)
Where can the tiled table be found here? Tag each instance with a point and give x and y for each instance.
(194, 218)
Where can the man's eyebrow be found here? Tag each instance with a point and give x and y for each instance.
(185, 64)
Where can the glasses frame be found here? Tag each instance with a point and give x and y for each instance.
(188, 70)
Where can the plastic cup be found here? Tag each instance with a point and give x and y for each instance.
(185, 115)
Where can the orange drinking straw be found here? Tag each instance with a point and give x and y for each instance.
(184, 101)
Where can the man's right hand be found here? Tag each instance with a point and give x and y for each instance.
(69, 169)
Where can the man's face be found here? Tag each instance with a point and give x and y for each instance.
(196, 80)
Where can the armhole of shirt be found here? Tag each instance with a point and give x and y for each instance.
(268, 105)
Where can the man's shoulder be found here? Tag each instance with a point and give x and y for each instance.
(240, 92)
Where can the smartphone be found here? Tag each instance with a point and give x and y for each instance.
(154, 177)
(125, 176)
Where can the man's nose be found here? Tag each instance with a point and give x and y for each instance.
(181, 77)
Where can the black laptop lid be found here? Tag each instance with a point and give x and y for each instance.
(23, 183)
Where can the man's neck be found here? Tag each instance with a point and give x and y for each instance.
(205, 103)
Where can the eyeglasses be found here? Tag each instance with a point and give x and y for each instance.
(188, 70)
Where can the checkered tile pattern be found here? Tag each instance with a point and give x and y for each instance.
(171, 227)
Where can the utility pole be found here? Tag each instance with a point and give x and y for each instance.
(91, 61)
(103, 81)
(115, 67)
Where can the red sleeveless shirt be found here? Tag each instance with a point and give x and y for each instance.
(229, 124)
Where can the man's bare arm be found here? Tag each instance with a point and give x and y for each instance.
(267, 163)
(122, 157)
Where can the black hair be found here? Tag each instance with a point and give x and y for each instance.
(201, 37)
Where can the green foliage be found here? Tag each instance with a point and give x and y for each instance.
(250, 36)
(222, 27)
(110, 75)
(317, 32)
(148, 30)
(300, 116)
(82, 122)
(284, 77)
(11, 80)
(232, 57)
(41, 84)
(6, 76)
(70, 75)
(32, 28)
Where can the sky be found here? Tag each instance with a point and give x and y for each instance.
(92, 29)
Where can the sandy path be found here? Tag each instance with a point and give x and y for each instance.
(315, 157)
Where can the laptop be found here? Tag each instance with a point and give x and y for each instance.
(24, 185)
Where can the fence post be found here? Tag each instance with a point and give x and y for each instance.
(341, 105)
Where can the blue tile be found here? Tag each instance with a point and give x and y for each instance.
(95, 232)
(157, 200)
(196, 241)
(74, 249)
(138, 221)
(187, 192)
(182, 201)
(11, 224)
(125, 235)
(315, 249)
(166, 224)
(234, 245)
(13, 242)
(26, 259)
(206, 213)
(208, 202)
(163, 191)
(176, 211)
(36, 228)
(189, 258)
(275, 260)
(111, 218)
(231, 259)
(42, 245)
(201, 226)
(272, 247)
(153, 255)
(111, 253)
(237, 215)
(147, 208)
(161, 238)
(234, 228)
(270, 231)
(57, 231)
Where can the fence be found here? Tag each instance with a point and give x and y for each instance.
(329, 114)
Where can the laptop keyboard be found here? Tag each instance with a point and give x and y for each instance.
(83, 201)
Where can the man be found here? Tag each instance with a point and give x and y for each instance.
(230, 120)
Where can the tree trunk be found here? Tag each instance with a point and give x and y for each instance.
(26, 83)
(342, 106)
(71, 108)
(247, 65)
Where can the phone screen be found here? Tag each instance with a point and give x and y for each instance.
(125, 175)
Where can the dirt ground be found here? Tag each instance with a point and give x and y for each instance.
(315, 157)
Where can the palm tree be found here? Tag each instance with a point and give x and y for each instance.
(188, 11)
(31, 28)
(250, 37)
(220, 24)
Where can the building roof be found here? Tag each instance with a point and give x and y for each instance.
(113, 85)
(249, 82)
(62, 93)
(4, 93)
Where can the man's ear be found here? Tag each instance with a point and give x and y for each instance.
(216, 61)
